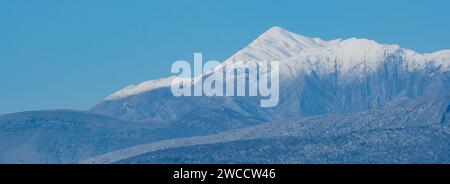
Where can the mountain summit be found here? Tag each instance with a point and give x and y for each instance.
(277, 44)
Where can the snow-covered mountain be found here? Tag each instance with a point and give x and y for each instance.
(343, 100)
(317, 77)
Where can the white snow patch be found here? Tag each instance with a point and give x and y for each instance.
(142, 87)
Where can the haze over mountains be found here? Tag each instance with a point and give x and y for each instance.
(352, 100)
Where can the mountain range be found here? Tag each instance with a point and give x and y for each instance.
(341, 101)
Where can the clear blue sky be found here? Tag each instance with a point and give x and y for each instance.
(71, 54)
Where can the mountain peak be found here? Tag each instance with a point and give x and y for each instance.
(275, 29)
(280, 34)
(276, 43)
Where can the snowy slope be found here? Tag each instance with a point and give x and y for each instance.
(424, 145)
(405, 114)
(142, 87)
(64, 136)
(317, 77)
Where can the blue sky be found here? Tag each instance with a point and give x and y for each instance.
(70, 54)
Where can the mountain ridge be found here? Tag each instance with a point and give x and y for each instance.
(283, 38)
(356, 74)
(404, 113)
